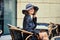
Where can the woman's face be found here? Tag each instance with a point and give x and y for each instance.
(31, 11)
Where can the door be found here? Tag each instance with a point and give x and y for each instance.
(9, 14)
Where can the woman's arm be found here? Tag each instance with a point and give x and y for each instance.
(35, 20)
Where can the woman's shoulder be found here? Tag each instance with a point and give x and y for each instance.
(27, 17)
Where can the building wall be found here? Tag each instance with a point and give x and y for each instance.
(49, 10)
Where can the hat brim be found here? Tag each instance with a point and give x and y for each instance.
(35, 8)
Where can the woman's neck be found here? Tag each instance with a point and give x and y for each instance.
(30, 14)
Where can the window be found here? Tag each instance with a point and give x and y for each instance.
(9, 14)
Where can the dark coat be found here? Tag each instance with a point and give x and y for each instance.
(28, 23)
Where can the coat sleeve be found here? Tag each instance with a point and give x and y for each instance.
(35, 21)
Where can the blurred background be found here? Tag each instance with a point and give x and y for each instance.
(49, 10)
(11, 12)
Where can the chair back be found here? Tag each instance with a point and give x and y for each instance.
(15, 34)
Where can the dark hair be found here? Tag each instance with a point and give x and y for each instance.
(26, 12)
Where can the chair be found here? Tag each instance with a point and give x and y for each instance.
(58, 29)
(17, 34)
(0, 31)
(55, 38)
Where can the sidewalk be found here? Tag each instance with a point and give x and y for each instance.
(5, 37)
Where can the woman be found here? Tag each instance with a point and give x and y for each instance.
(29, 22)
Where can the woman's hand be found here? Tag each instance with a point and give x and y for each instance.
(34, 16)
